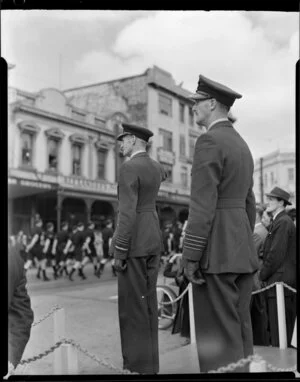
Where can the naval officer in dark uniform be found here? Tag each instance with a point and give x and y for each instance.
(136, 246)
(218, 240)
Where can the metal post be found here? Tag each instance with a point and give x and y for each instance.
(65, 357)
(294, 337)
(191, 312)
(59, 333)
(281, 316)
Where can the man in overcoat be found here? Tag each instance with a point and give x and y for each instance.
(218, 242)
(20, 314)
(279, 262)
(136, 246)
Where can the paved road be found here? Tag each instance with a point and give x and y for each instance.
(91, 320)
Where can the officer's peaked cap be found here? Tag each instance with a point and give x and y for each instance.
(138, 131)
(211, 89)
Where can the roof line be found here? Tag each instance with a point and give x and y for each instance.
(104, 82)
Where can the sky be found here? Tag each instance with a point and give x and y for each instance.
(254, 53)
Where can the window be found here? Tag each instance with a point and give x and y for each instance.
(53, 154)
(27, 147)
(165, 104)
(182, 145)
(184, 176)
(101, 154)
(266, 180)
(291, 176)
(76, 155)
(169, 171)
(166, 140)
(191, 116)
(181, 112)
(192, 142)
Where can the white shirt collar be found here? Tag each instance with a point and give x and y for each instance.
(216, 121)
(137, 152)
(278, 212)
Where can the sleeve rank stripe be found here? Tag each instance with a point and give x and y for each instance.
(193, 248)
(198, 237)
(194, 240)
(122, 241)
(194, 245)
(121, 248)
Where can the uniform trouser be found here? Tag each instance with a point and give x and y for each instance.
(138, 314)
(259, 319)
(222, 320)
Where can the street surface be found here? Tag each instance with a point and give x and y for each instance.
(91, 319)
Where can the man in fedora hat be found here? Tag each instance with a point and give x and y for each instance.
(218, 238)
(136, 247)
(279, 261)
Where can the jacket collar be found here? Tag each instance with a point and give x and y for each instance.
(140, 154)
(221, 123)
(281, 213)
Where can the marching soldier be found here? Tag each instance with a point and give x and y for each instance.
(48, 247)
(218, 239)
(89, 248)
(136, 247)
(78, 240)
(35, 250)
(59, 246)
(107, 234)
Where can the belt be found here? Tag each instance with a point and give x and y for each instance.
(224, 203)
(146, 208)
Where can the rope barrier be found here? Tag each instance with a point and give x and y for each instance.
(102, 362)
(255, 292)
(56, 307)
(274, 284)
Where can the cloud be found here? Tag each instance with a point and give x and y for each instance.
(253, 52)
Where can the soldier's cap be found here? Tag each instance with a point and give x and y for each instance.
(80, 224)
(64, 224)
(211, 89)
(280, 194)
(138, 131)
(91, 223)
(108, 221)
(49, 225)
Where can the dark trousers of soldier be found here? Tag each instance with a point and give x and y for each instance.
(222, 320)
(259, 319)
(138, 314)
(290, 316)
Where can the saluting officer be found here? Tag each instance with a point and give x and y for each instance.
(218, 238)
(136, 245)
(78, 240)
(59, 245)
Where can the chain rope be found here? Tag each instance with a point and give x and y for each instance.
(55, 308)
(255, 292)
(102, 362)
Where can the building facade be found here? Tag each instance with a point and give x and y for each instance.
(152, 100)
(61, 161)
(278, 169)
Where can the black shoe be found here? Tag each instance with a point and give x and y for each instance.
(38, 275)
(81, 274)
(45, 278)
(71, 273)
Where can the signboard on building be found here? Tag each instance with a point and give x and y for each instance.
(87, 185)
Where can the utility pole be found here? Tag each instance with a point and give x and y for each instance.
(261, 183)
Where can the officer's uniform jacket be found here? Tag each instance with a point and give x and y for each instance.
(20, 314)
(222, 204)
(138, 233)
(279, 253)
